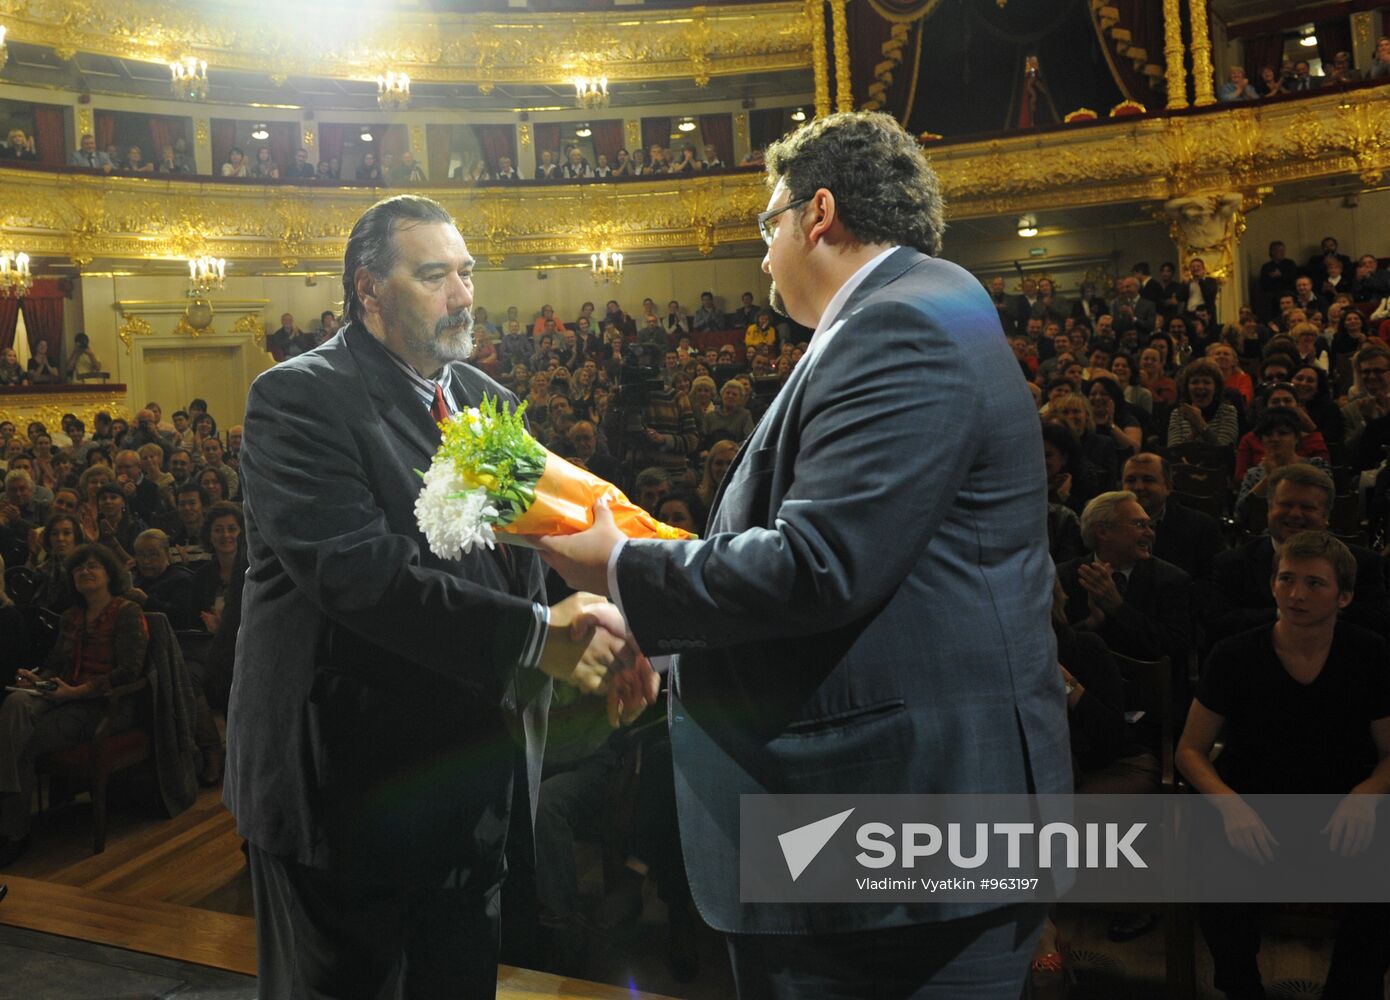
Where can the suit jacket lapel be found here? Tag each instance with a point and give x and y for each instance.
(393, 395)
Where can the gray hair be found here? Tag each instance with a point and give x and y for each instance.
(1102, 512)
(153, 535)
(18, 476)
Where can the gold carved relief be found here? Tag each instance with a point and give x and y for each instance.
(133, 327)
(251, 323)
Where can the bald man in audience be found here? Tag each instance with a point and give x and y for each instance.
(141, 493)
(1300, 499)
(1138, 604)
(1187, 538)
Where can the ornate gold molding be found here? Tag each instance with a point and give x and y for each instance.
(1202, 79)
(1173, 54)
(1120, 160)
(479, 49)
(49, 408)
(134, 326)
(251, 323)
(844, 90)
(820, 63)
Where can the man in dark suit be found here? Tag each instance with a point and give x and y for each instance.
(1187, 538)
(1300, 500)
(1200, 287)
(1140, 606)
(868, 611)
(388, 711)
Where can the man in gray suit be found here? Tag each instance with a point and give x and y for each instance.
(869, 610)
(89, 156)
(388, 712)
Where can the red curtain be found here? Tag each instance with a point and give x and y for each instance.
(608, 139)
(9, 321)
(718, 131)
(284, 140)
(764, 126)
(440, 139)
(1262, 51)
(497, 141)
(164, 131)
(1333, 36)
(656, 132)
(105, 125)
(223, 139)
(49, 139)
(43, 316)
(547, 137)
(331, 138)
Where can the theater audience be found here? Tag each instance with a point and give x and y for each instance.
(1311, 444)
(1202, 414)
(158, 584)
(1186, 538)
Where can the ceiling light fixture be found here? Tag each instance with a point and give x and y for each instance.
(1309, 36)
(261, 132)
(4, 52)
(189, 78)
(799, 115)
(366, 134)
(687, 124)
(584, 131)
(591, 92)
(393, 92)
(1027, 226)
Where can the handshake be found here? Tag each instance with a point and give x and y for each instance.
(589, 647)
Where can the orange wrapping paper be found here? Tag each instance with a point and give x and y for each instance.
(565, 498)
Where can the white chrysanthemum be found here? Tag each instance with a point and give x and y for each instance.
(453, 517)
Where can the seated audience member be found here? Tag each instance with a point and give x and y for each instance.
(1154, 378)
(746, 314)
(369, 172)
(1073, 411)
(583, 438)
(10, 371)
(43, 369)
(717, 461)
(168, 163)
(575, 166)
(223, 537)
(1112, 416)
(712, 158)
(1281, 396)
(649, 487)
(1233, 376)
(1237, 88)
(214, 484)
(20, 513)
(1367, 412)
(135, 162)
(19, 147)
(82, 362)
(731, 418)
(682, 510)
(1314, 394)
(87, 155)
(762, 332)
(1140, 606)
(407, 172)
(1201, 413)
(1256, 694)
(323, 171)
(1186, 538)
(100, 645)
(301, 169)
(1279, 433)
(1300, 499)
(142, 494)
(158, 584)
(116, 525)
(547, 169)
(1123, 367)
(1380, 60)
(707, 318)
(1071, 479)
(62, 533)
(185, 528)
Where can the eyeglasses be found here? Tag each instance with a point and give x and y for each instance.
(764, 217)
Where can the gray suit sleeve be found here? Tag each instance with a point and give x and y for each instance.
(886, 428)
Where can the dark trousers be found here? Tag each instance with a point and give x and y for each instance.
(1359, 958)
(984, 957)
(320, 937)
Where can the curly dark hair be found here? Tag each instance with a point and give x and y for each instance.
(117, 579)
(883, 185)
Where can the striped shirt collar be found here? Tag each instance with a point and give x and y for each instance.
(423, 387)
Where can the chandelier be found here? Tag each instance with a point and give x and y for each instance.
(4, 52)
(15, 278)
(204, 274)
(393, 92)
(591, 92)
(606, 266)
(189, 78)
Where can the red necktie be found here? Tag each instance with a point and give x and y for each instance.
(440, 410)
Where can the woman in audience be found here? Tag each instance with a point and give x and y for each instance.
(1279, 433)
(64, 471)
(43, 370)
(731, 417)
(1309, 344)
(1154, 378)
(101, 644)
(43, 472)
(1303, 707)
(10, 371)
(1138, 397)
(1232, 374)
(91, 483)
(1271, 83)
(1201, 413)
(639, 167)
(223, 529)
(1280, 395)
(1351, 333)
(369, 172)
(1315, 398)
(1074, 413)
(1071, 479)
(682, 510)
(214, 484)
(1111, 415)
(61, 535)
(116, 524)
(717, 461)
(236, 165)
(264, 167)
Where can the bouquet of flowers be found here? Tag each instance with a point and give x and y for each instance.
(492, 481)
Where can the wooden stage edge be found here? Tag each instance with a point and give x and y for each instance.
(219, 940)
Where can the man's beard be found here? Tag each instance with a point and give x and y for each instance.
(774, 298)
(452, 339)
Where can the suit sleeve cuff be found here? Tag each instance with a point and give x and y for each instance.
(535, 642)
(613, 594)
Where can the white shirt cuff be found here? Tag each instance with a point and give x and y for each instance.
(535, 645)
